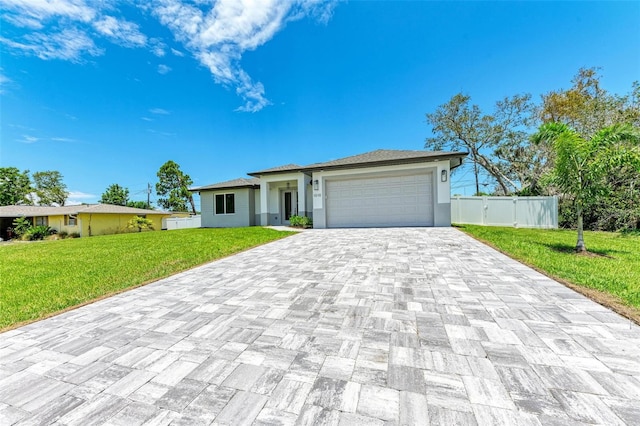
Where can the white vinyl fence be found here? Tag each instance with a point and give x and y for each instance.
(171, 223)
(518, 212)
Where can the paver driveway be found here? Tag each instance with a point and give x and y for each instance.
(371, 326)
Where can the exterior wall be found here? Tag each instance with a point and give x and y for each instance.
(441, 190)
(244, 212)
(57, 223)
(92, 224)
(518, 212)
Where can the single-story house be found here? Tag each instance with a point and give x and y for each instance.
(85, 219)
(375, 189)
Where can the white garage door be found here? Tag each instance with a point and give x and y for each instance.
(380, 201)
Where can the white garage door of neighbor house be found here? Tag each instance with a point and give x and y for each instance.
(380, 201)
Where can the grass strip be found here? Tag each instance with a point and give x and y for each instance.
(41, 278)
(612, 265)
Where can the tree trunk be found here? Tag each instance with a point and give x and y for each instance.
(580, 247)
(193, 204)
(475, 172)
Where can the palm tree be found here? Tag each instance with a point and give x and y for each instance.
(581, 163)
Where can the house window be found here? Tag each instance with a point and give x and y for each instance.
(42, 220)
(70, 220)
(225, 203)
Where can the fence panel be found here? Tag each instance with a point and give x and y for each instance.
(171, 223)
(518, 212)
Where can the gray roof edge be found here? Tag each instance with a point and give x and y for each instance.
(296, 169)
(392, 162)
(223, 185)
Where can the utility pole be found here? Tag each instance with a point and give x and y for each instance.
(148, 195)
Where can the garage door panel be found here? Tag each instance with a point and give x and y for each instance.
(380, 201)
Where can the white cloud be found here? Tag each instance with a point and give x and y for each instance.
(29, 139)
(163, 69)
(56, 139)
(70, 45)
(159, 111)
(3, 81)
(41, 10)
(218, 37)
(146, 118)
(120, 31)
(215, 32)
(23, 21)
(67, 28)
(157, 47)
(78, 197)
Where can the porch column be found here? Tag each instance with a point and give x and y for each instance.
(264, 202)
(302, 195)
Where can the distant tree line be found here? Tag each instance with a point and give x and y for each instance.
(48, 189)
(581, 144)
(43, 188)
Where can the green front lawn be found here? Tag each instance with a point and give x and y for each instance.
(612, 266)
(41, 278)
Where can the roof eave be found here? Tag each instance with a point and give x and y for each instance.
(198, 190)
(395, 162)
(277, 172)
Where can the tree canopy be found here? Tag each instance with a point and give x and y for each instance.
(115, 194)
(497, 142)
(582, 163)
(173, 188)
(578, 124)
(50, 188)
(15, 186)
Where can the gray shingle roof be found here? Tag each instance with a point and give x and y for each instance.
(235, 183)
(285, 168)
(380, 157)
(30, 211)
(384, 157)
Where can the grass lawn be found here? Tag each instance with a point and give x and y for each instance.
(612, 267)
(41, 278)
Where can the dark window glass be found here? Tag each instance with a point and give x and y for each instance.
(231, 203)
(219, 204)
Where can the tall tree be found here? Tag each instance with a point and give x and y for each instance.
(497, 143)
(50, 188)
(115, 194)
(173, 187)
(582, 163)
(586, 107)
(15, 186)
(139, 205)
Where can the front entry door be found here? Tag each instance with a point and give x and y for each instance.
(289, 206)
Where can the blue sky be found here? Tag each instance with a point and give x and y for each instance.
(106, 92)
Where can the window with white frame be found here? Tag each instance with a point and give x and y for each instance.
(42, 220)
(225, 203)
(71, 220)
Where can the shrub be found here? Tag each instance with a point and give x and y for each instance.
(63, 234)
(140, 223)
(21, 225)
(39, 232)
(300, 222)
(74, 235)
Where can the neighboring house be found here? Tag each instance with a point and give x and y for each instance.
(85, 219)
(378, 188)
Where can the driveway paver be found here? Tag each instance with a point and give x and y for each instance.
(340, 327)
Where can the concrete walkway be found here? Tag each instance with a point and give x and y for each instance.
(349, 327)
